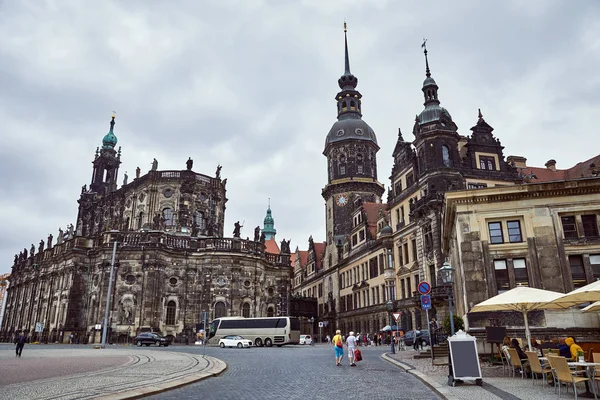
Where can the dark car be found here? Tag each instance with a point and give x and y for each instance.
(149, 338)
(409, 337)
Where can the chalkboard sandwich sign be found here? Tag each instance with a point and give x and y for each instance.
(464, 359)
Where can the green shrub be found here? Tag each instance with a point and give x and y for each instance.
(458, 324)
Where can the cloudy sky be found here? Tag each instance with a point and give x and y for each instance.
(250, 84)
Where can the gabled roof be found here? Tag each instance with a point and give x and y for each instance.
(584, 169)
(303, 254)
(372, 211)
(271, 246)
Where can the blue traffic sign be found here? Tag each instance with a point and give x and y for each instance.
(426, 302)
(424, 287)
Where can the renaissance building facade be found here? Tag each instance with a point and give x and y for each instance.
(164, 234)
(378, 252)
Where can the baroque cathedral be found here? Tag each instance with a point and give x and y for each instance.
(164, 234)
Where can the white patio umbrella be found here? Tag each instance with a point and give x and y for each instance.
(588, 293)
(592, 307)
(522, 299)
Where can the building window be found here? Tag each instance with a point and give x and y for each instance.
(569, 227)
(577, 271)
(220, 310)
(521, 276)
(414, 249)
(487, 163)
(169, 217)
(403, 288)
(199, 220)
(359, 169)
(595, 264)
(446, 156)
(408, 288)
(501, 272)
(270, 312)
(514, 231)
(409, 179)
(171, 308)
(495, 229)
(590, 225)
(246, 310)
(400, 258)
(405, 247)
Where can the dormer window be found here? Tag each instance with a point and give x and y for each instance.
(487, 163)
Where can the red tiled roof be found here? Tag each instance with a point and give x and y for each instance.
(271, 246)
(372, 211)
(303, 257)
(293, 258)
(320, 252)
(583, 169)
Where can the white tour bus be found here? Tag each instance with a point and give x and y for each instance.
(266, 331)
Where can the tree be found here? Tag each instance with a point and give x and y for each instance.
(458, 324)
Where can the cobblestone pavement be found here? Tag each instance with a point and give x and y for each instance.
(112, 373)
(496, 384)
(301, 372)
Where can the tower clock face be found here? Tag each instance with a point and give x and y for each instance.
(341, 200)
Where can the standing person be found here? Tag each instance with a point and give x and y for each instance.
(351, 342)
(433, 325)
(338, 346)
(20, 343)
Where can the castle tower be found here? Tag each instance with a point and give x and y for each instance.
(351, 148)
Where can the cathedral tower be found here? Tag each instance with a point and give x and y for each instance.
(350, 148)
(106, 164)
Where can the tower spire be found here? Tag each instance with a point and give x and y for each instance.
(424, 46)
(347, 70)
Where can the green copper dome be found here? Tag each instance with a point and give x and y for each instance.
(109, 141)
(269, 225)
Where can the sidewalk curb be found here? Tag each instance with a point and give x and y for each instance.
(216, 368)
(441, 390)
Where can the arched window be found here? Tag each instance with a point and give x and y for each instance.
(344, 106)
(359, 164)
(140, 220)
(169, 217)
(270, 312)
(220, 310)
(246, 310)
(171, 308)
(352, 105)
(446, 156)
(330, 285)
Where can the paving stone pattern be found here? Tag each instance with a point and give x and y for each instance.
(302, 372)
(143, 368)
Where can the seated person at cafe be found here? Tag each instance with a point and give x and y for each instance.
(564, 350)
(534, 344)
(515, 345)
(574, 348)
(549, 344)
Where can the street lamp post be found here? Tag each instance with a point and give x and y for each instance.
(108, 295)
(390, 307)
(312, 331)
(389, 275)
(447, 277)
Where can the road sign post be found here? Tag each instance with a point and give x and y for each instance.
(424, 287)
(425, 302)
(396, 316)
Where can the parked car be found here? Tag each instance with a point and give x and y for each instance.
(234, 341)
(409, 337)
(306, 339)
(149, 338)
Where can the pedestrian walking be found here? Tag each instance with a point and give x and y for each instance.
(351, 342)
(338, 347)
(433, 331)
(20, 343)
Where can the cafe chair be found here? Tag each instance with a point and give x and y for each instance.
(516, 363)
(536, 367)
(562, 374)
(505, 358)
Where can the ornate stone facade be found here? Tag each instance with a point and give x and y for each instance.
(171, 261)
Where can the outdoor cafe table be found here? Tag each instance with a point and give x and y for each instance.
(591, 373)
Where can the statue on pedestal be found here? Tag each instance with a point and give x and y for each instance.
(189, 163)
(257, 234)
(237, 229)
